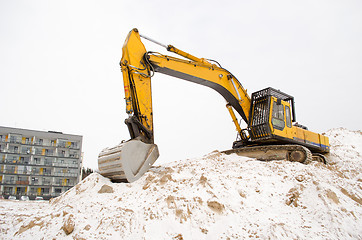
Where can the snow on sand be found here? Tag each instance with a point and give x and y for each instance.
(213, 197)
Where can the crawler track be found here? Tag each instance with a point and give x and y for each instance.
(293, 153)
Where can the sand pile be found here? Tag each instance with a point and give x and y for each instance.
(214, 197)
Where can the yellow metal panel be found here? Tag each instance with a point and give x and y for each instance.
(133, 67)
(23, 140)
(39, 191)
(41, 171)
(311, 137)
(326, 140)
(300, 133)
(43, 151)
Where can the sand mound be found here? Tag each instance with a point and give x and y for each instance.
(215, 197)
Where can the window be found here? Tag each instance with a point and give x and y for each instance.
(61, 143)
(45, 190)
(278, 116)
(13, 139)
(287, 116)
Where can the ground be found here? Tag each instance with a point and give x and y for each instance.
(216, 196)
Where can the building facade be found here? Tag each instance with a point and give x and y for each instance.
(37, 163)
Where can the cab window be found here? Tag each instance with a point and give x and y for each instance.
(278, 116)
(287, 116)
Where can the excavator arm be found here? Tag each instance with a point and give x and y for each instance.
(138, 66)
(130, 160)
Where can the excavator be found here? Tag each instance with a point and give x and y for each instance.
(272, 132)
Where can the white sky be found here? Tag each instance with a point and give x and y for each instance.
(59, 66)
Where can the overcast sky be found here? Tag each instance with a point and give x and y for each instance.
(59, 66)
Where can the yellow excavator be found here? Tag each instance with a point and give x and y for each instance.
(271, 134)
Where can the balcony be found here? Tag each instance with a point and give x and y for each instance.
(55, 164)
(22, 182)
(61, 174)
(16, 161)
(71, 145)
(38, 163)
(9, 181)
(25, 151)
(13, 151)
(12, 171)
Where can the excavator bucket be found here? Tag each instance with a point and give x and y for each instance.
(127, 161)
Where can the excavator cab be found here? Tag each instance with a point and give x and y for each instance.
(271, 121)
(271, 110)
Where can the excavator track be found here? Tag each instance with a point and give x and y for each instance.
(293, 153)
(319, 158)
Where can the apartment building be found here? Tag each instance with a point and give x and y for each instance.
(37, 163)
